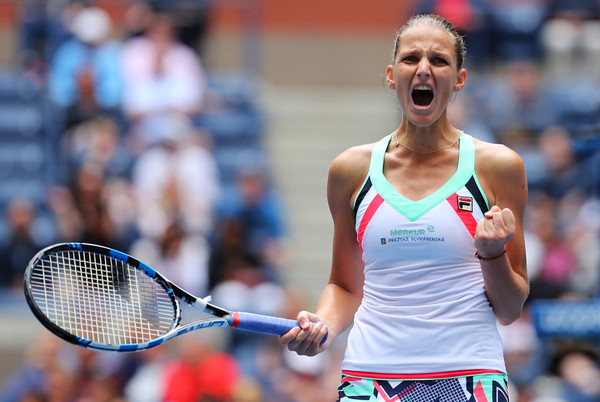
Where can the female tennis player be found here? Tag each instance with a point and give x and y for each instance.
(428, 251)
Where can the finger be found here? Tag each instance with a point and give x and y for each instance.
(323, 335)
(486, 233)
(312, 341)
(318, 345)
(296, 343)
(505, 224)
(498, 222)
(312, 317)
(289, 336)
(509, 218)
(304, 323)
(481, 229)
(491, 227)
(494, 209)
(305, 318)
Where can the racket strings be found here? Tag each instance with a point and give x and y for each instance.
(96, 297)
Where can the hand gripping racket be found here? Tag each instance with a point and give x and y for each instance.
(103, 299)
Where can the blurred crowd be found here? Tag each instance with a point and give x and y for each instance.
(142, 149)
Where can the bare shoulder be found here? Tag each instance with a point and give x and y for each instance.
(352, 163)
(497, 159)
(347, 172)
(501, 172)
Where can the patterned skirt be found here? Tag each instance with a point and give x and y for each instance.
(484, 387)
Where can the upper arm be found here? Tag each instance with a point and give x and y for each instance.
(346, 174)
(502, 174)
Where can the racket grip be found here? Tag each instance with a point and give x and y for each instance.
(264, 323)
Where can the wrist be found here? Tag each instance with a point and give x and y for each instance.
(482, 258)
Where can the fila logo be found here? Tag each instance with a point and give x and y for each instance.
(465, 203)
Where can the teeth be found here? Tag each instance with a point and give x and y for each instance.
(422, 88)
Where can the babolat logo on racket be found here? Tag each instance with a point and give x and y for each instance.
(465, 203)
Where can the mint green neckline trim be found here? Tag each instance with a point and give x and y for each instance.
(415, 209)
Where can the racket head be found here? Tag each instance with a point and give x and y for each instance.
(100, 298)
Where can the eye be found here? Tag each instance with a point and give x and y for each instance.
(440, 61)
(410, 59)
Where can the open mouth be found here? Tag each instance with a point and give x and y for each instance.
(422, 95)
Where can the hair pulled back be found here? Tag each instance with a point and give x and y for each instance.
(437, 21)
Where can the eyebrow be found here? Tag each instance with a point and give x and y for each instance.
(435, 53)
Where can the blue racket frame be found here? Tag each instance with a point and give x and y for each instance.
(222, 317)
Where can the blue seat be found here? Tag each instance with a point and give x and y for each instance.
(575, 104)
(233, 159)
(15, 85)
(233, 127)
(21, 118)
(22, 185)
(237, 90)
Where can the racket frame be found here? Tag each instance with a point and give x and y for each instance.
(222, 317)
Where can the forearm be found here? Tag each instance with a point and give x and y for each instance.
(336, 308)
(506, 289)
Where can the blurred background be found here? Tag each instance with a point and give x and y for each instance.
(197, 134)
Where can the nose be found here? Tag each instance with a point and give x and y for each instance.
(423, 68)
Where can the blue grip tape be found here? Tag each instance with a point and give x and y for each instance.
(267, 324)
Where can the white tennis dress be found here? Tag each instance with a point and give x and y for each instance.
(424, 308)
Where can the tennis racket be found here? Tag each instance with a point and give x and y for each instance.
(103, 299)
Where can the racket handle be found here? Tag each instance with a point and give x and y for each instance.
(264, 323)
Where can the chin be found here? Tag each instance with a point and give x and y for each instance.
(422, 119)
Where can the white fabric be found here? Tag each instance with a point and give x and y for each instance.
(181, 86)
(185, 179)
(424, 308)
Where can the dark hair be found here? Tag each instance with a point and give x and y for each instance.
(441, 22)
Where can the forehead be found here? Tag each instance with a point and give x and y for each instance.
(426, 37)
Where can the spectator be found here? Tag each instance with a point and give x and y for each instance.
(161, 75)
(559, 172)
(304, 379)
(67, 220)
(523, 353)
(255, 205)
(582, 227)
(191, 17)
(98, 141)
(245, 287)
(513, 103)
(461, 113)
(181, 257)
(136, 19)
(145, 384)
(177, 179)
(88, 194)
(516, 25)
(556, 167)
(228, 245)
(577, 369)
(200, 372)
(84, 78)
(42, 367)
(557, 260)
(21, 245)
(93, 208)
(569, 37)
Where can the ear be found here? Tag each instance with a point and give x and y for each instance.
(389, 77)
(460, 80)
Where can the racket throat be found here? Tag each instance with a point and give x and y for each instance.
(199, 304)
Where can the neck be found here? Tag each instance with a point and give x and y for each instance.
(429, 139)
